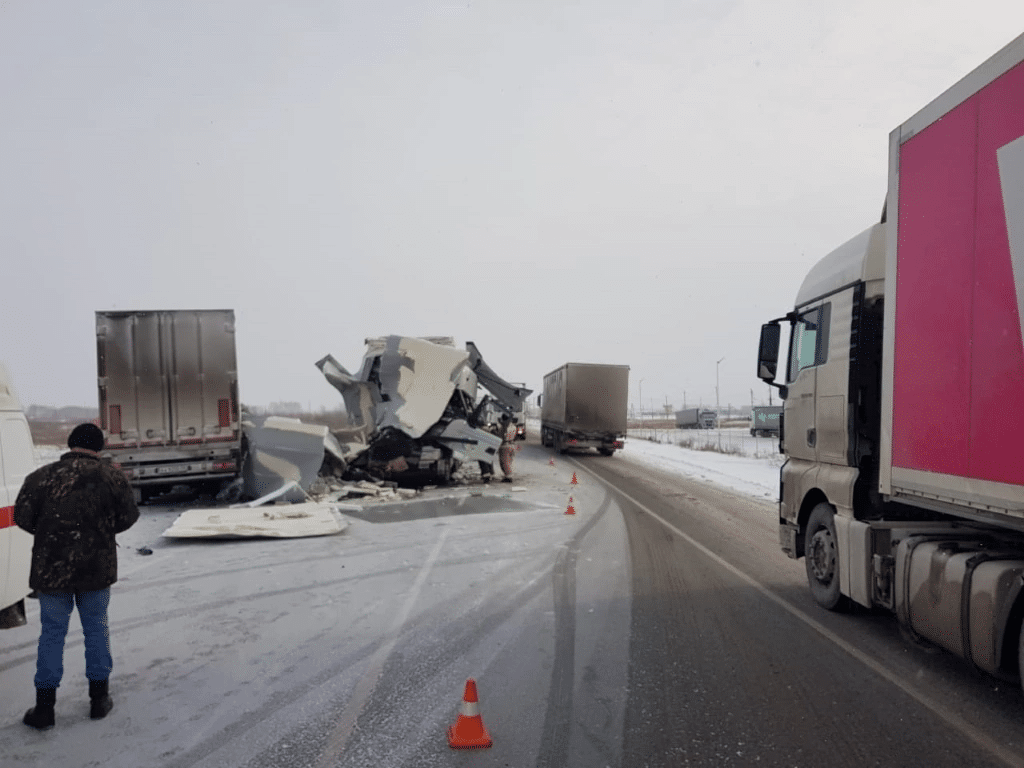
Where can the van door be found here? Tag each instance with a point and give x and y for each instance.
(17, 460)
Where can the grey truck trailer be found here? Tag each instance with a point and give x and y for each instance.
(584, 406)
(168, 396)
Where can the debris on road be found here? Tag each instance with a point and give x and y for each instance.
(273, 521)
(282, 450)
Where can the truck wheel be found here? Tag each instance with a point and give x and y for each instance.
(821, 556)
(606, 451)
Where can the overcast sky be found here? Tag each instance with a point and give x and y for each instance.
(628, 181)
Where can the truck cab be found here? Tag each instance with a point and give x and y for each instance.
(832, 385)
(17, 460)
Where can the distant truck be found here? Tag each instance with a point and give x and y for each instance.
(903, 485)
(168, 397)
(17, 460)
(520, 415)
(584, 406)
(766, 420)
(696, 418)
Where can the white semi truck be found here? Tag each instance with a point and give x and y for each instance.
(696, 418)
(903, 485)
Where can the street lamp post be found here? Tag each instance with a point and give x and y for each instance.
(718, 407)
(641, 386)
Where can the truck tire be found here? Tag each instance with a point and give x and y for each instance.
(821, 557)
(606, 451)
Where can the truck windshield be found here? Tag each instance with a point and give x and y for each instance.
(809, 340)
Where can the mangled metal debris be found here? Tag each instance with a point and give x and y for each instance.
(282, 450)
(414, 408)
(273, 521)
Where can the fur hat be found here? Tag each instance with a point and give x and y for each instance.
(87, 436)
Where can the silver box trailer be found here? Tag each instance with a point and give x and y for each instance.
(696, 418)
(168, 396)
(584, 406)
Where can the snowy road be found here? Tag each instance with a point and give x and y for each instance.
(350, 649)
(607, 637)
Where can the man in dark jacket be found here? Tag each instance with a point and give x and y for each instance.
(73, 508)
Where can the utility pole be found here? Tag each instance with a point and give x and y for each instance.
(718, 406)
(641, 387)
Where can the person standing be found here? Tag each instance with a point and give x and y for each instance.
(507, 450)
(73, 508)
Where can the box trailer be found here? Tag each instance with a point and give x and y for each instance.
(584, 406)
(903, 485)
(168, 396)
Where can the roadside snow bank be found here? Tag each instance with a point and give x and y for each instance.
(752, 475)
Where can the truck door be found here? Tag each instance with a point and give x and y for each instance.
(833, 380)
(808, 349)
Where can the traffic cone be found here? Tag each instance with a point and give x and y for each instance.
(551, 462)
(574, 480)
(468, 731)
(569, 509)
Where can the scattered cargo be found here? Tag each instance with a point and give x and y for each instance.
(584, 406)
(168, 397)
(903, 486)
(766, 420)
(696, 418)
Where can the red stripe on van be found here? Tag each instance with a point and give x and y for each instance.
(6, 517)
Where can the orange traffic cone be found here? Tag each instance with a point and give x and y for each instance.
(569, 509)
(574, 480)
(468, 731)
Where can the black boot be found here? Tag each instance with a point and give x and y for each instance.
(41, 715)
(100, 701)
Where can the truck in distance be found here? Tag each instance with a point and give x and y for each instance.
(766, 420)
(168, 396)
(903, 485)
(696, 418)
(584, 406)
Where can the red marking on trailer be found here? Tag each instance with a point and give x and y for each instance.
(6, 517)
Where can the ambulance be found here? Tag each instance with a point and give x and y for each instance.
(17, 459)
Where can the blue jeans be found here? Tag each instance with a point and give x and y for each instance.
(55, 613)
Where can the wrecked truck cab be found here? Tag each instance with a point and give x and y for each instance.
(414, 404)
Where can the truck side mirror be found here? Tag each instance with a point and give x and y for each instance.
(539, 398)
(768, 352)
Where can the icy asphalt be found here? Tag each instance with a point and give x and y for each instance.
(354, 649)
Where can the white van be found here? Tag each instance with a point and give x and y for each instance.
(17, 459)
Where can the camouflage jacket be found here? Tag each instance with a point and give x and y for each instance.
(73, 507)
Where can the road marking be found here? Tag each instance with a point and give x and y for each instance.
(364, 688)
(944, 713)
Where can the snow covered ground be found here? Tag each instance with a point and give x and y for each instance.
(268, 652)
(749, 465)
